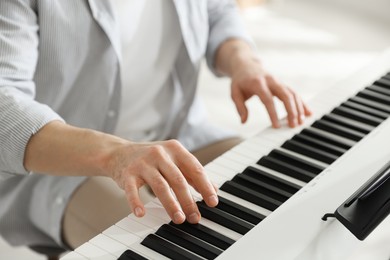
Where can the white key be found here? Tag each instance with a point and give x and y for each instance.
(235, 166)
(91, 251)
(222, 171)
(252, 155)
(121, 235)
(109, 245)
(237, 157)
(73, 256)
(253, 148)
(216, 178)
(263, 142)
(154, 216)
(134, 227)
(148, 253)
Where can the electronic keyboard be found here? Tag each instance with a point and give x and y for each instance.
(275, 187)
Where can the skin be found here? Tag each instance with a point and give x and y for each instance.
(166, 166)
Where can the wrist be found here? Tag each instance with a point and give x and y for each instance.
(233, 55)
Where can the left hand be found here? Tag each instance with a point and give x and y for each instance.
(250, 79)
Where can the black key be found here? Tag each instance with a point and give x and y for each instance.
(252, 196)
(167, 249)
(191, 243)
(385, 82)
(380, 90)
(387, 76)
(366, 109)
(270, 179)
(239, 211)
(338, 130)
(329, 137)
(357, 115)
(131, 255)
(224, 219)
(263, 188)
(374, 96)
(367, 102)
(206, 234)
(319, 144)
(296, 161)
(310, 151)
(350, 123)
(287, 169)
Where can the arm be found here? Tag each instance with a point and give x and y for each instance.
(60, 149)
(236, 59)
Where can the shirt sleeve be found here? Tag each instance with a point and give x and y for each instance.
(20, 115)
(225, 22)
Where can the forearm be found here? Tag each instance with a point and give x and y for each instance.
(233, 54)
(61, 149)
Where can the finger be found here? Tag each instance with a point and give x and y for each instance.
(162, 190)
(193, 171)
(181, 189)
(300, 108)
(307, 110)
(287, 97)
(239, 101)
(201, 182)
(266, 97)
(133, 199)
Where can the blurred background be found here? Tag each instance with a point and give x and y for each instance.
(308, 44)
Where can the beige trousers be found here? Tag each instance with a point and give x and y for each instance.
(99, 203)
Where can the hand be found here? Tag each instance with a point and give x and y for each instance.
(250, 79)
(162, 165)
(236, 59)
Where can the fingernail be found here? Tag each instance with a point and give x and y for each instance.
(193, 218)
(178, 217)
(213, 200)
(138, 212)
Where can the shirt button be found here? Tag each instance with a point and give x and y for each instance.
(111, 113)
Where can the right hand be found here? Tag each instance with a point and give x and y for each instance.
(163, 166)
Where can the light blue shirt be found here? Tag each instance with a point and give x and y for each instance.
(59, 60)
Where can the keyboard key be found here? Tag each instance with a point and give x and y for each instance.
(319, 144)
(206, 234)
(385, 82)
(250, 195)
(239, 211)
(131, 255)
(338, 130)
(366, 109)
(374, 96)
(310, 151)
(357, 115)
(380, 89)
(167, 248)
(270, 179)
(264, 188)
(372, 104)
(191, 243)
(350, 123)
(224, 219)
